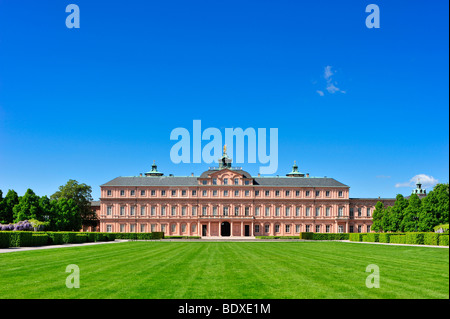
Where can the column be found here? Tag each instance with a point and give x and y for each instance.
(231, 228)
(242, 228)
(208, 231)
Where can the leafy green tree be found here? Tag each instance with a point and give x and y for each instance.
(66, 216)
(411, 214)
(394, 216)
(377, 218)
(386, 219)
(435, 208)
(9, 201)
(81, 195)
(45, 209)
(28, 207)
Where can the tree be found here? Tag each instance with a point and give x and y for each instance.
(6, 213)
(435, 208)
(393, 217)
(377, 218)
(81, 195)
(27, 208)
(411, 214)
(66, 215)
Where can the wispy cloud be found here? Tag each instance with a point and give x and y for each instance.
(383, 176)
(331, 84)
(425, 180)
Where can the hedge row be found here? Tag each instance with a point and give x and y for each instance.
(30, 239)
(324, 236)
(139, 236)
(276, 237)
(412, 238)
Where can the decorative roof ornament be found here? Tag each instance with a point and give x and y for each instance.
(154, 171)
(295, 172)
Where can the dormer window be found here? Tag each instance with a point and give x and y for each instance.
(247, 182)
(225, 181)
(204, 182)
(214, 181)
(236, 181)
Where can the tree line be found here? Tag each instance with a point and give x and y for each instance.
(413, 214)
(68, 209)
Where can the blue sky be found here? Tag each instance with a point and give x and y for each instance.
(368, 107)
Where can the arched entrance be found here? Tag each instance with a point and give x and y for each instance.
(225, 229)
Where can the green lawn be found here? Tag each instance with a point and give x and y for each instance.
(231, 270)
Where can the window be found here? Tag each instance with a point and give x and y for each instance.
(277, 228)
(122, 192)
(267, 193)
(183, 228)
(297, 211)
(256, 228)
(194, 228)
(163, 193)
(236, 211)
(153, 227)
(247, 193)
(142, 228)
(215, 211)
(287, 193)
(194, 211)
(183, 193)
(174, 210)
(225, 181)
(256, 193)
(288, 228)
(236, 193)
(307, 228)
(368, 212)
(327, 211)
(174, 193)
(236, 181)
(122, 210)
(267, 211)
(307, 211)
(266, 228)
(246, 182)
(297, 228)
(153, 192)
(297, 193)
(340, 229)
(204, 193)
(317, 193)
(194, 193)
(351, 211)
(277, 211)
(183, 211)
(327, 193)
(173, 227)
(214, 192)
(109, 210)
(122, 228)
(225, 211)
(340, 194)
(225, 193)
(214, 181)
(108, 228)
(132, 210)
(204, 211)
(351, 229)
(317, 211)
(142, 210)
(288, 211)
(108, 192)
(142, 192)
(368, 228)
(163, 211)
(163, 227)
(132, 192)
(327, 228)
(317, 228)
(257, 211)
(359, 228)
(307, 193)
(204, 182)
(341, 211)
(277, 193)
(153, 210)
(359, 212)
(132, 228)
(247, 211)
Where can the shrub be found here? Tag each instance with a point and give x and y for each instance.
(397, 239)
(90, 237)
(443, 240)
(431, 239)
(355, 236)
(415, 238)
(371, 237)
(306, 235)
(20, 239)
(55, 238)
(330, 236)
(384, 237)
(80, 238)
(39, 239)
(4, 239)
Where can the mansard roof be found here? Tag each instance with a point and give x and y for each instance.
(193, 181)
(238, 171)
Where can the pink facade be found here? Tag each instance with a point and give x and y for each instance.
(227, 201)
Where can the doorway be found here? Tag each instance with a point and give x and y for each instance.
(247, 230)
(204, 230)
(225, 229)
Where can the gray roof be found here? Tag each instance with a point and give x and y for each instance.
(193, 181)
(239, 171)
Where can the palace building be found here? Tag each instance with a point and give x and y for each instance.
(228, 201)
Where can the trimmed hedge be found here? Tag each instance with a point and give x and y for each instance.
(398, 239)
(139, 236)
(371, 237)
(21, 239)
(276, 237)
(306, 235)
(443, 240)
(4, 239)
(39, 239)
(355, 236)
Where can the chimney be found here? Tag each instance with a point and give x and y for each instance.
(140, 174)
(307, 174)
(259, 174)
(192, 174)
